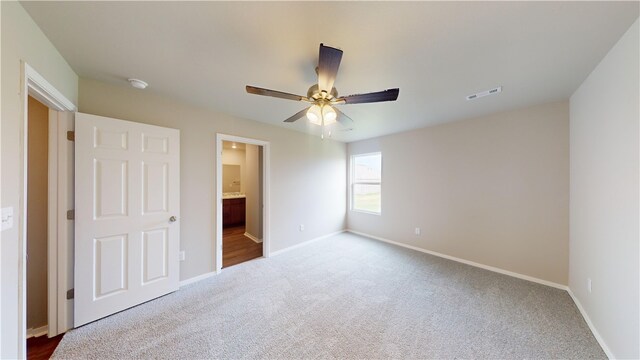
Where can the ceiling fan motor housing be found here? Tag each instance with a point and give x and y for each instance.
(316, 94)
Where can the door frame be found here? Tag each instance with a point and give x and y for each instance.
(265, 194)
(34, 84)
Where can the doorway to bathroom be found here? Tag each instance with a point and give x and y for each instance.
(241, 188)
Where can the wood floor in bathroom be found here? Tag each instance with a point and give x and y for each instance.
(41, 347)
(237, 248)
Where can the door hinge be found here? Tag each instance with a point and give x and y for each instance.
(71, 135)
(70, 294)
(71, 214)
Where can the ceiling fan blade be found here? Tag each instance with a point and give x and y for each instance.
(278, 94)
(385, 95)
(342, 118)
(328, 65)
(300, 114)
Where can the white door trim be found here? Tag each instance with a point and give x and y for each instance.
(265, 194)
(34, 84)
(63, 196)
(52, 224)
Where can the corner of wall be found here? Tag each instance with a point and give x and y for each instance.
(604, 194)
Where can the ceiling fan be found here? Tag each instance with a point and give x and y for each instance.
(323, 97)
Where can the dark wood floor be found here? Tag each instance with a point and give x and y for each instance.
(237, 248)
(42, 347)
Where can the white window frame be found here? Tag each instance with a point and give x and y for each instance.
(353, 182)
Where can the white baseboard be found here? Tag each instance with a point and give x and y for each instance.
(482, 266)
(255, 239)
(305, 243)
(196, 278)
(210, 274)
(595, 332)
(42, 330)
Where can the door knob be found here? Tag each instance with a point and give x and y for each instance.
(173, 219)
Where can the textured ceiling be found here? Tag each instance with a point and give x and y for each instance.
(436, 53)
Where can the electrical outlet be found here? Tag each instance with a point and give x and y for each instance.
(589, 285)
(181, 256)
(7, 218)
(301, 227)
(418, 231)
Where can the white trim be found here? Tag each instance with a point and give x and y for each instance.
(266, 176)
(37, 332)
(34, 84)
(478, 265)
(42, 90)
(595, 332)
(305, 243)
(52, 225)
(196, 278)
(255, 239)
(65, 191)
(365, 211)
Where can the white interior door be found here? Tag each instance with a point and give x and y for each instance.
(127, 233)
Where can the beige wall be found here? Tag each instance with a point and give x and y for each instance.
(604, 197)
(252, 190)
(21, 40)
(307, 174)
(37, 214)
(234, 157)
(492, 190)
(231, 178)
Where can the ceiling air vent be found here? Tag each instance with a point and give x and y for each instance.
(485, 93)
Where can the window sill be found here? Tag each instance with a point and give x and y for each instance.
(366, 212)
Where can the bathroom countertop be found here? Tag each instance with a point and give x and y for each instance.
(232, 196)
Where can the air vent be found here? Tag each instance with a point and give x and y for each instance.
(485, 93)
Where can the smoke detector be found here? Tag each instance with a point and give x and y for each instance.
(137, 83)
(485, 93)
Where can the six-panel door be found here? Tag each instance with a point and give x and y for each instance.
(127, 181)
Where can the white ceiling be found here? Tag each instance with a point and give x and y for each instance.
(435, 52)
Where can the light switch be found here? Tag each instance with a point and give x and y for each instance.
(7, 218)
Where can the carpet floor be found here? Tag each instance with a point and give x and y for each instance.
(345, 297)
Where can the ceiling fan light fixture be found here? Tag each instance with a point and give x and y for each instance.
(314, 114)
(317, 113)
(329, 115)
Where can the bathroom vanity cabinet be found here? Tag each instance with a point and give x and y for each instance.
(233, 212)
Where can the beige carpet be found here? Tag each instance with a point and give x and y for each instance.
(345, 297)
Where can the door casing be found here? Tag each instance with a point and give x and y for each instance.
(265, 194)
(34, 84)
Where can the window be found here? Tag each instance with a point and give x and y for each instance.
(366, 182)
